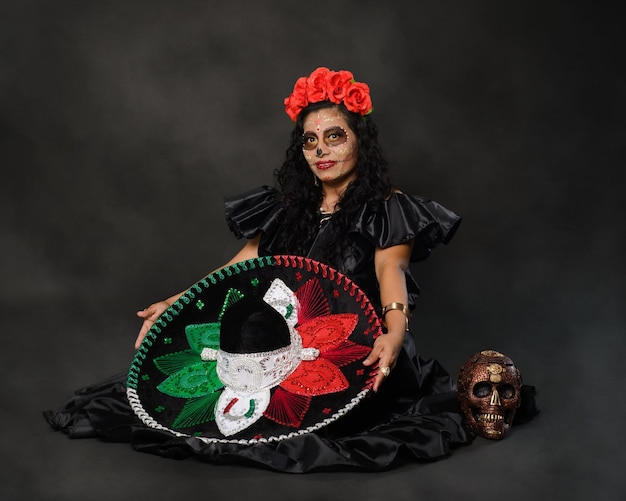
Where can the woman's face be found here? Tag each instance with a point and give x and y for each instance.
(330, 146)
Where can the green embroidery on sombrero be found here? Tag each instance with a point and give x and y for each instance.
(251, 409)
(173, 362)
(197, 411)
(200, 336)
(232, 296)
(289, 310)
(195, 380)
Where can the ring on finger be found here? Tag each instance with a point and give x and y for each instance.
(385, 371)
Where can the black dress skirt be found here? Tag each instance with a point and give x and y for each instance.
(413, 417)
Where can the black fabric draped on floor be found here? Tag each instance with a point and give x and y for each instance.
(427, 428)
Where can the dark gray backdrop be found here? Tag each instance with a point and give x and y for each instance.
(124, 123)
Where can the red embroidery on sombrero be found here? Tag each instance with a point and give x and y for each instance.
(287, 408)
(322, 376)
(230, 405)
(325, 333)
(312, 301)
(347, 352)
(315, 377)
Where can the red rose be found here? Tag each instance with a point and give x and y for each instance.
(338, 82)
(357, 98)
(316, 85)
(298, 99)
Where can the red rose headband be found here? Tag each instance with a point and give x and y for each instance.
(327, 85)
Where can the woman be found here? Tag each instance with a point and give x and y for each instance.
(335, 204)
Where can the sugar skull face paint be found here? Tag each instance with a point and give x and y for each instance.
(329, 146)
(335, 136)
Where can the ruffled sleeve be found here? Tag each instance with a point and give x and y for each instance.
(403, 217)
(253, 211)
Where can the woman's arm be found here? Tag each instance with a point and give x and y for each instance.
(391, 264)
(154, 311)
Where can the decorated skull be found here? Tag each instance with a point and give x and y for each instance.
(488, 391)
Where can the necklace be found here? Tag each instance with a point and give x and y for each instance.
(324, 216)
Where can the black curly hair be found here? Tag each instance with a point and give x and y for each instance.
(302, 197)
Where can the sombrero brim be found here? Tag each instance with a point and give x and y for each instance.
(173, 382)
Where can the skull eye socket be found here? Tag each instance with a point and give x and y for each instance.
(482, 390)
(506, 391)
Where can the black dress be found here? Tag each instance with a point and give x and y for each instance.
(413, 417)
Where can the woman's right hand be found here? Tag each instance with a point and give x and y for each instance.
(152, 312)
(149, 315)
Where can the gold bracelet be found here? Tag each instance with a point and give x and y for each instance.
(397, 306)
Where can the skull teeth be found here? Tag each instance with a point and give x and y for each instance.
(490, 418)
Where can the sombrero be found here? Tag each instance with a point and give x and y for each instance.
(262, 350)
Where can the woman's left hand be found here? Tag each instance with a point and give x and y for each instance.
(385, 352)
